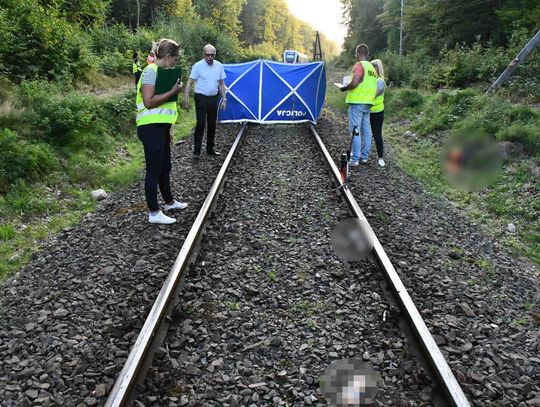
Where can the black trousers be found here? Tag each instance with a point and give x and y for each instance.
(137, 76)
(206, 112)
(376, 120)
(157, 155)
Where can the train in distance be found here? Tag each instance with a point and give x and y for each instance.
(291, 56)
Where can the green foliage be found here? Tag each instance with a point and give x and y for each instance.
(444, 110)
(363, 25)
(70, 119)
(408, 102)
(22, 198)
(447, 43)
(433, 25)
(222, 14)
(506, 121)
(270, 22)
(7, 232)
(38, 42)
(6, 88)
(262, 51)
(457, 67)
(118, 113)
(22, 159)
(458, 110)
(521, 13)
(193, 36)
(511, 198)
(83, 12)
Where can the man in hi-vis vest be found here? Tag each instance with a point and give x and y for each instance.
(361, 91)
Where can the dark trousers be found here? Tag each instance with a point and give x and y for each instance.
(157, 155)
(137, 76)
(206, 112)
(376, 120)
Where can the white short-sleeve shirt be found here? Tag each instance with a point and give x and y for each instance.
(206, 77)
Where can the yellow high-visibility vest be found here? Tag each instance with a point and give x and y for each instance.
(378, 103)
(366, 90)
(136, 67)
(164, 113)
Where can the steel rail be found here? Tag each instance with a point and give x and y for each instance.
(141, 352)
(431, 351)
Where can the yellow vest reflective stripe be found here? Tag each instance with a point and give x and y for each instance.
(378, 103)
(164, 113)
(366, 90)
(136, 68)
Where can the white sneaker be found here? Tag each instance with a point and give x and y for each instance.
(353, 163)
(364, 162)
(381, 162)
(160, 218)
(175, 205)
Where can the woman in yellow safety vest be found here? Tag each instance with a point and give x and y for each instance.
(155, 116)
(376, 116)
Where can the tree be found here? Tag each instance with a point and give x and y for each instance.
(222, 14)
(363, 26)
(521, 13)
(80, 12)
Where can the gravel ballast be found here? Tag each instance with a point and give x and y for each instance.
(268, 306)
(269, 291)
(481, 304)
(69, 318)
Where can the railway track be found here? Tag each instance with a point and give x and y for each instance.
(307, 294)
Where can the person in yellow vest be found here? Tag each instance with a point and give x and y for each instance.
(376, 116)
(155, 117)
(361, 91)
(136, 67)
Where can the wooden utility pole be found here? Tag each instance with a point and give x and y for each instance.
(138, 13)
(401, 31)
(317, 50)
(531, 45)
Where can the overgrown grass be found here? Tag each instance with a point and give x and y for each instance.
(512, 198)
(53, 153)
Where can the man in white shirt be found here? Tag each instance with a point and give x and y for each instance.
(208, 75)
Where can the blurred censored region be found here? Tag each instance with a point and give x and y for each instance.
(350, 382)
(352, 239)
(471, 159)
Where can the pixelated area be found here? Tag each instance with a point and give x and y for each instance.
(471, 159)
(352, 239)
(350, 382)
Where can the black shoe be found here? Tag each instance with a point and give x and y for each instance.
(213, 152)
(196, 156)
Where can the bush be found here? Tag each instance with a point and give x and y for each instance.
(506, 121)
(526, 134)
(403, 102)
(36, 42)
(6, 88)
(57, 118)
(458, 69)
(444, 110)
(119, 112)
(464, 109)
(115, 63)
(412, 70)
(261, 51)
(463, 65)
(193, 35)
(20, 159)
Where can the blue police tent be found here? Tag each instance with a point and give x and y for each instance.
(274, 92)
